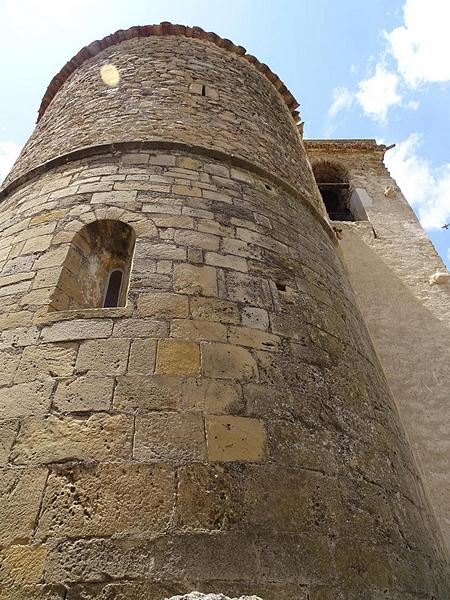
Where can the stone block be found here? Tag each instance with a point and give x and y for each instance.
(168, 436)
(114, 197)
(177, 357)
(253, 338)
(47, 361)
(20, 499)
(24, 565)
(163, 305)
(209, 497)
(236, 263)
(198, 330)
(187, 190)
(38, 244)
(232, 438)
(9, 362)
(104, 357)
(212, 396)
(8, 431)
(160, 251)
(145, 328)
(138, 392)
(197, 239)
(248, 290)
(256, 318)
(105, 500)
(226, 361)
(84, 393)
(195, 280)
(24, 399)
(142, 357)
(77, 329)
(215, 309)
(91, 438)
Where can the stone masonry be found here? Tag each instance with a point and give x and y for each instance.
(229, 429)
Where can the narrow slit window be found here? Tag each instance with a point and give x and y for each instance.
(113, 289)
(203, 90)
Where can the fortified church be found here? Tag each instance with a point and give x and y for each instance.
(224, 350)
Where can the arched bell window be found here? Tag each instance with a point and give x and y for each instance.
(334, 186)
(96, 270)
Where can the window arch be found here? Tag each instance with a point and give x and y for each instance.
(334, 186)
(97, 267)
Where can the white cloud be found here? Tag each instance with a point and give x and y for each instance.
(413, 104)
(378, 93)
(426, 188)
(9, 151)
(342, 100)
(421, 45)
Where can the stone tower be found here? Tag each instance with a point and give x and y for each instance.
(189, 396)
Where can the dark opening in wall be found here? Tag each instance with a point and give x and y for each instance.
(333, 183)
(97, 267)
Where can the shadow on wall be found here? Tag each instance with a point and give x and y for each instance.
(414, 349)
(96, 270)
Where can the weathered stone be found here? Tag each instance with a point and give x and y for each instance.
(235, 438)
(177, 357)
(198, 330)
(9, 361)
(46, 361)
(228, 362)
(211, 395)
(54, 439)
(137, 392)
(199, 596)
(86, 393)
(142, 356)
(23, 399)
(104, 357)
(163, 305)
(213, 309)
(175, 437)
(77, 329)
(20, 499)
(190, 279)
(24, 564)
(102, 500)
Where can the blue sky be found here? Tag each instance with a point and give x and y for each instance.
(377, 68)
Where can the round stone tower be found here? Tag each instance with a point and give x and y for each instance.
(189, 398)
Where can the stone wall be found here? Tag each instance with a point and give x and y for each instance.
(228, 430)
(161, 81)
(390, 261)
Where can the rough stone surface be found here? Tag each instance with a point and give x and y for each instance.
(199, 596)
(228, 428)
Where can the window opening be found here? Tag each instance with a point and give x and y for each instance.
(97, 267)
(203, 90)
(113, 289)
(332, 181)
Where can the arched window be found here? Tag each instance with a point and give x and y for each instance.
(333, 183)
(97, 267)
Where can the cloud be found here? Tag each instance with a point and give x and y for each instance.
(427, 188)
(421, 46)
(9, 151)
(342, 100)
(378, 93)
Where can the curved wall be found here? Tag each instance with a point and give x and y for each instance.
(230, 429)
(159, 97)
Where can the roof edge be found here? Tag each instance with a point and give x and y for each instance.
(164, 28)
(350, 145)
